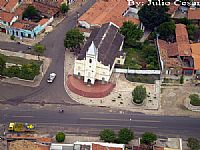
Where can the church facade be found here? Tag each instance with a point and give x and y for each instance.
(102, 51)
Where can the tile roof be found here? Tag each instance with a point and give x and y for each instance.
(19, 10)
(6, 16)
(11, 4)
(45, 9)
(194, 14)
(26, 25)
(2, 3)
(107, 40)
(169, 62)
(182, 40)
(43, 21)
(100, 147)
(196, 55)
(107, 11)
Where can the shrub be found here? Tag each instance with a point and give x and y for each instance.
(2, 64)
(107, 135)
(60, 137)
(193, 144)
(29, 71)
(194, 100)
(12, 37)
(13, 71)
(139, 94)
(125, 135)
(181, 79)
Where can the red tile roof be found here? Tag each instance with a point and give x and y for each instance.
(43, 21)
(11, 4)
(100, 147)
(5, 16)
(194, 14)
(196, 55)
(2, 3)
(107, 11)
(169, 62)
(182, 40)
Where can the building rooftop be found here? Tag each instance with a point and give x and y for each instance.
(26, 25)
(11, 4)
(43, 21)
(194, 14)
(196, 55)
(2, 3)
(107, 40)
(104, 147)
(182, 40)
(6, 16)
(104, 11)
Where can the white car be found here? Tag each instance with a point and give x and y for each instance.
(52, 76)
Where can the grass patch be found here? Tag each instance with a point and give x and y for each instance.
(141, 57)
(194, 100)
(142, 78)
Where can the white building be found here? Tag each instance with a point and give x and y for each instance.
(101, 52)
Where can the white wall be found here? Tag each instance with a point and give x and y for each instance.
(131, 71)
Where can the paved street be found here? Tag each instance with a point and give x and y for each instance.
(96, 120)
(50, 93)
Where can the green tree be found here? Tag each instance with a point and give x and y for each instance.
(192, 30)
(108, 135)
(29, 71)
(30, 12)
(60, 137)
(125, 135)
(148, 139)
(73, 39)
(131, 32)
(39, 50)
(184, 21)
(193, 144)
(2, 64)
(182, 79)
(139, 94)
(64, 8)
(167, 31)
(13, 71)
(152, 16)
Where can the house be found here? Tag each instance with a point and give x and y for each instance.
(168, 144)
(104, 11)
(100, 53)
(3, 4)
(194, 15)
(87, 146)
(6, 20)
(28, 29)
(196, 57)
(176, 58)
(11, 5)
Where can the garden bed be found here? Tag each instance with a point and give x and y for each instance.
(150, 79)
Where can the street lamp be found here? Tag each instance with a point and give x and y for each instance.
(129, 124)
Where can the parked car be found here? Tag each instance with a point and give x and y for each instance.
(51, 77)
(29, 47)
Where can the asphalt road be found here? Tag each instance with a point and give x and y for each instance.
(54, 43)
(96, 120)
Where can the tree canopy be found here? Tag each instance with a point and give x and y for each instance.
(39, 49)
(107, 135)
(131, 32)
(73, 39)
(139, 94)
(125, 135)
(167, 31)
(152, 16)
(193, 144)
(60, 137)
(64, 8)
(148, 138)
(31, 13)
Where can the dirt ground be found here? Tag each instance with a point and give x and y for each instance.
(22, 145)
(173, 97)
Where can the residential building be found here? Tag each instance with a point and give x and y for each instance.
(196, 57)
(176, 58)
(11, 5)
(194, 15)
(28, 29)
(168, 144)
(100, 53)
(87, 146)
(104, 11)
(6, 20)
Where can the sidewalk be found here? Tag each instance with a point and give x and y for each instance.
(31, 83)
(121, 97)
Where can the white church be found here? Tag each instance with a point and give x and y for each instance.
(102, 51)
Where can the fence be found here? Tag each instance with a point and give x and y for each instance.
(131, 71)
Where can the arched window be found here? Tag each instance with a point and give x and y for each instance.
(90, 61)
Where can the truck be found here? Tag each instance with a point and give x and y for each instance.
(21, 127)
